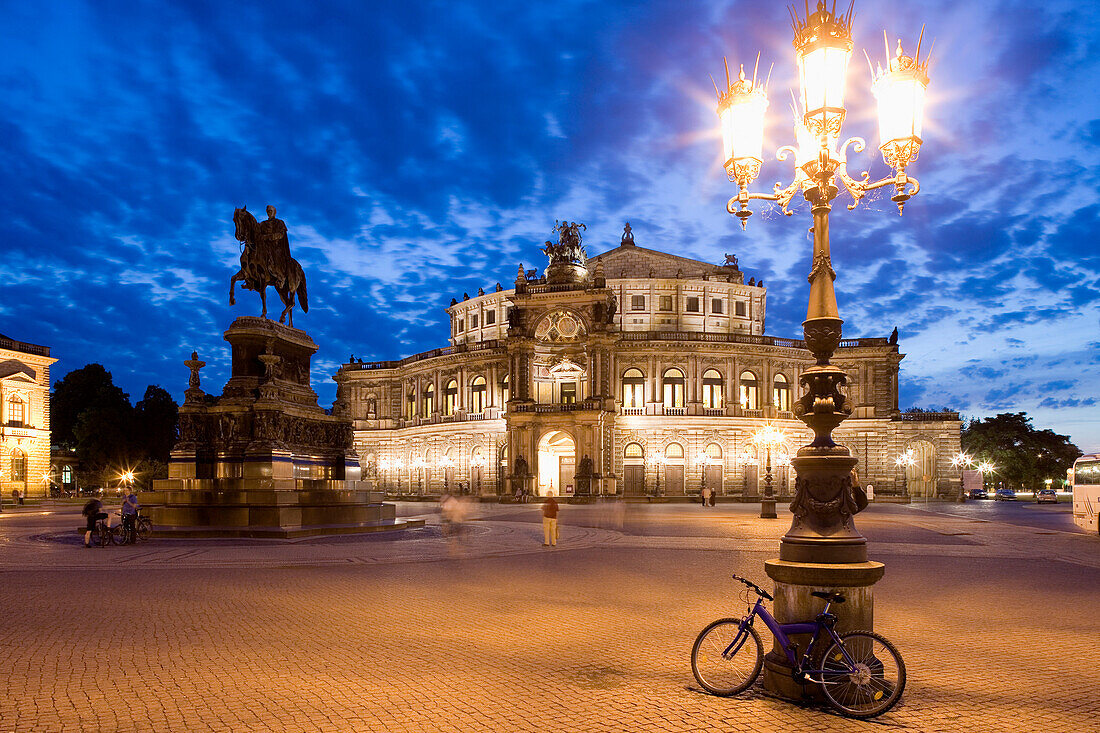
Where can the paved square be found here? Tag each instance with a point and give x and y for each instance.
(994, 610)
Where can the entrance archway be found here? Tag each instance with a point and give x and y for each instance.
(920, 478)
(557, 463)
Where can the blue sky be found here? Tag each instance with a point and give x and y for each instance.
(419, 150)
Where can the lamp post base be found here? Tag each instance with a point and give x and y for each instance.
(794, 582)
(767, 508)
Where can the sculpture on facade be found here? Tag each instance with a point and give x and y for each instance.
(568, 250)
(628, 236)
(731, 261)
(266, 261)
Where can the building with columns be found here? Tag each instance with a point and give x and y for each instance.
(633, 373)
(24, 418)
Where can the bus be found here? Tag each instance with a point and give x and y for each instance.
(1084, 477)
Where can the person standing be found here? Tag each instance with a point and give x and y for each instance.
(130, 507)
(550, 522)
(93, 511)
(706, 495)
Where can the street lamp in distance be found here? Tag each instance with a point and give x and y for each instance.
(769, 437)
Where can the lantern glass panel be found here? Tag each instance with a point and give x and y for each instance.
(900, 99)
(821, 76)
(743, 126)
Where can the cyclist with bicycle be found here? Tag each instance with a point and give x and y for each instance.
(130, 507)
(93, 512)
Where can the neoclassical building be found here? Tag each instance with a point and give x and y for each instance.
(24, 417)
(631, 373)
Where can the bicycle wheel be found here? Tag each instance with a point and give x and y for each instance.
(144, 528)
(102, 535)
(877, 681)
(726, 660)
(119, 535)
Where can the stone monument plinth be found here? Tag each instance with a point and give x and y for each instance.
(263, 459)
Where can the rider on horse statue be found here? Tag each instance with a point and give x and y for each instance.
(266, 260)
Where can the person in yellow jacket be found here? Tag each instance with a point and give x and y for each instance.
(550, 522)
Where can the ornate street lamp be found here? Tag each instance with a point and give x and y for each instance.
(658, 461)
(443, 464)
(958, 461)
(419, 464)
(904, 462)
(768, 437)
(823, 548)
(702, 459)
(478, 463)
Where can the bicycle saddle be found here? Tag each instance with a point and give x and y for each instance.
(830, 597)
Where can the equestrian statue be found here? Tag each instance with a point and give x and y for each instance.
(266, 260)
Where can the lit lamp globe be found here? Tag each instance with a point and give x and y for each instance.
(823, 48)
(899, 91)
(741, 109)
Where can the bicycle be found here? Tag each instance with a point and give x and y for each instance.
(143, 528)
(861, 674)
(102, 534)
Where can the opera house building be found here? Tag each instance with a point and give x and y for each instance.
(631, 373)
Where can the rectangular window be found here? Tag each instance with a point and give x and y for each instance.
(490, 317)
(691, 305)
(637, 302)
(715, 305)
(461, 325)
(665, 303)
(740, 306)
(568, 393)
(473, 321)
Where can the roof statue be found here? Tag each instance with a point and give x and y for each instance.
(628, 236)
(266, 261)
(568, 250)
(731, 261)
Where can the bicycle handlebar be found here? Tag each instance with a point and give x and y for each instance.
(759, 591)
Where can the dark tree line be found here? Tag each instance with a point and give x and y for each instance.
(1023, 456)
(93, 417)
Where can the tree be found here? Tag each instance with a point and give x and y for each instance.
(156, 421)
(1023, 456)
(79, 390)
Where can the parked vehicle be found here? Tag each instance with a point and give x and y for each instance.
(1004, 495)
(1085, 479)
(1046, 496)
(978, 494)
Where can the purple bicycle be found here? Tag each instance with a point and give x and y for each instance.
(861, 673)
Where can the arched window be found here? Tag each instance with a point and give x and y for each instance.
(18, 466)
(633, 450)
(504, 390)
(66, 474)
(712, 389)
(633, 388)
(673, 383)
(714, 452)
(674, 452)
(410, 406)
(781, 393)
(17, 412)
(750, 393)
(477, 395)
(450, 397)
(428, 402)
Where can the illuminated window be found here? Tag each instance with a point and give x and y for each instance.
(712, 389)
(633, 450)
(714, 453)
(450, 397)
(410, 406)
(568, 393)
(66, 474)
(673, 383)
(18, 466)
(477, 393)
(674, 451)
(633, 388)
(17, 412)
(504, 389)
(781, 393)
(750, 395)
(428, 402)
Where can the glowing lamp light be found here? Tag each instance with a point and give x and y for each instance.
(741, 110)
(899, 91)
(823, 47)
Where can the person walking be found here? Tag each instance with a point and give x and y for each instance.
(550, 522)
(93, 512)
(130, 507)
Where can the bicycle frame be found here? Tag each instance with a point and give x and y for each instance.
(782, 632)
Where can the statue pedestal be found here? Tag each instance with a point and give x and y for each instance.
(264, 460)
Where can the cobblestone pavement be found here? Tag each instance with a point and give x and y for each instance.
(998, 624)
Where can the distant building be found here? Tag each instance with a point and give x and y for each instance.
(653, 366)
(24, 417)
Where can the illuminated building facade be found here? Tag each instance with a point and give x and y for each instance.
(653, 367)
(24, 418)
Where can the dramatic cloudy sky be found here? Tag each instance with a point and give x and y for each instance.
(418, 150)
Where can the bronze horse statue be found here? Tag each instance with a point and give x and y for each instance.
(266, 260)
